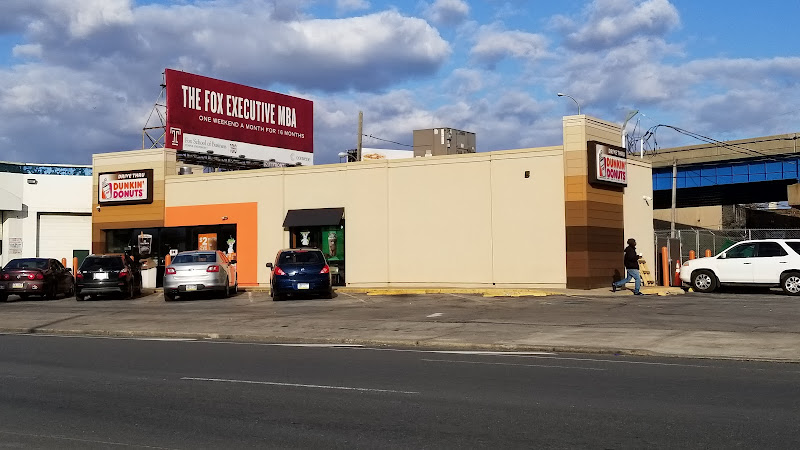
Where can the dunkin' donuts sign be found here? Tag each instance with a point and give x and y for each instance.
(125, 188)
(608, 164)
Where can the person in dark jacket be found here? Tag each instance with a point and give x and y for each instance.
(631, 261)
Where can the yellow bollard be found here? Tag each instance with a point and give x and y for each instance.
(691, 254)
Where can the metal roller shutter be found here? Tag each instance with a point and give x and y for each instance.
(59, 235)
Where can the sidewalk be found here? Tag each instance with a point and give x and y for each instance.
(500, 292)
(691, 325)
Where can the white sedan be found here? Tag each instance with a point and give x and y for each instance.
(765, 262)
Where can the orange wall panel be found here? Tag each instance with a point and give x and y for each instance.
(244, 215)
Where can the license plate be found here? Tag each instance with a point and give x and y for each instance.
(17, 285)
(101, 276)
(302, 286)
(191, 287)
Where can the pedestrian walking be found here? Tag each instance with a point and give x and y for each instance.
(631, 261)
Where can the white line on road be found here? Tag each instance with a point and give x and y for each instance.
(314, 386)
(72, 439)
(435, 315)
(511, 364)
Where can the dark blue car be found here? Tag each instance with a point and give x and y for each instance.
(300, 271)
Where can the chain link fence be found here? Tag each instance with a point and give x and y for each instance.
(717, 240)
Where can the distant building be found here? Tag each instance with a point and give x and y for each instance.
(443, 141)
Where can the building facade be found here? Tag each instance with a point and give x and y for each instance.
(513, 218)
(45, 211)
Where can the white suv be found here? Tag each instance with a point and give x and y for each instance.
(764, 262)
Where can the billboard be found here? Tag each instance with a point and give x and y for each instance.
(205, 115)
(608, 164)
(129, 187)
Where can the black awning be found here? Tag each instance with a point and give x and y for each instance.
(313, 217)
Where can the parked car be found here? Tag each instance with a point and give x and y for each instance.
(764, 262)
(108, 274)
(36, 276)
(200, 270)
(300, 271)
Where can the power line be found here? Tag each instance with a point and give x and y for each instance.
(387, 140)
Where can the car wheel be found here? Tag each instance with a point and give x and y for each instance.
(790, 283)
(227, 292)
(80, 297)
(236, 285)
(129, 295)
(71, 290)
(704, 281)
(168, 296)
(328, 295)
(276, 297)
(3, 297)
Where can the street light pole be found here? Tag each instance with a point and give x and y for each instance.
(576, 102)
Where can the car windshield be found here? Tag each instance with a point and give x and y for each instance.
(27, 263)
(94, 263)
(186, 258)
(301, 257)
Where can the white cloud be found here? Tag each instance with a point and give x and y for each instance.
(447, 12)
(80, 18)
(343, 6)
(466, 81)
(613, 22)
(493, 44)
(27, 51)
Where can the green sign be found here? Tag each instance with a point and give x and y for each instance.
(333, 243)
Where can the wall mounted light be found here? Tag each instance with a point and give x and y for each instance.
(32, 181)
(224, 217)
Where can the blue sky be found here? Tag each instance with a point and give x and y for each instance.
(81, 76)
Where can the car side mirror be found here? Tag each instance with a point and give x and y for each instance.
(722, 256)
(269, 265)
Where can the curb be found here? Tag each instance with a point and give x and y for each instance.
(368, 343)
(486, 292)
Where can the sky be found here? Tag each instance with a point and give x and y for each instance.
(79, 77)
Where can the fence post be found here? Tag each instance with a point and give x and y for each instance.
(665, 269)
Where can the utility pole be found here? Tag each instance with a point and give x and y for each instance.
(674, 196)
(360, 133)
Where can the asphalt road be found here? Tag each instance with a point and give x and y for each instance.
(79, 392)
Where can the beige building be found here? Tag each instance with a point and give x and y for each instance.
(513, 218)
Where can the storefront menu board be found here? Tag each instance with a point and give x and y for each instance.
(129, 187)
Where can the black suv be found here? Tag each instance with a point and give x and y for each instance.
(108, 274)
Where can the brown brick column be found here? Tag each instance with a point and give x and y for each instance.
(594, 220)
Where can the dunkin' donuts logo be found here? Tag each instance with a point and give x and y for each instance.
(125, 187)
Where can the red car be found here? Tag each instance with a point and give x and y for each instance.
(35, 276)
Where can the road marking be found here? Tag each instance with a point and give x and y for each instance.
(313, 386)
(92, 441)
(512, 364)
(435, 315)
(627, 362)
